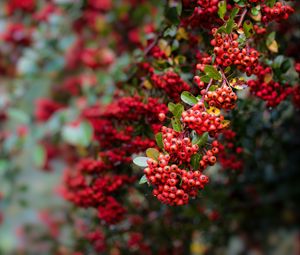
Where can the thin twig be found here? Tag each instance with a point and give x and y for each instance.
(208, 86)
(242, 17)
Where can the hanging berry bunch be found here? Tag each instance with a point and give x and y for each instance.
(192, 143)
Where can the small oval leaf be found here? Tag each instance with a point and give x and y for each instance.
(152, 153)
(188, 98)
(200, 140)
(212, 72)
(143, 179)
(159, 140)
(141, 161)
(176, 124)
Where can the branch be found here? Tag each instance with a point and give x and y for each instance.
(242, 17)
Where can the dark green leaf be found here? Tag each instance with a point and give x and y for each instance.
(172, 15)
(188, 98)
(278, 61)
(200, 140)
(286, 65)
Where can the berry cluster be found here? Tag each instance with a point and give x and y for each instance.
(209, 157)
(230, 154)
(204, 12)
(97, 239)
(296, 96)
(173, 186)
(97, 58)
(171, 83)
(112, 211)
(277, 12)
(90, 185)
(45, 108)
(223, 97)
(178, 146)
(17, 34)
(199, 120)
(226, 48)
(269, 90)
(13, 6)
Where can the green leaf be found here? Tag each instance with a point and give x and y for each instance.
(248, 28)
(87, 133)
(195, 159)
(254, 11)
(176, 109)
(271, 3)
(171, 107)
(278, 61)
(222, 9)
(176, 124)
(171, 31)
(175, 45)
(229, 26)
(222, 29)
(234, 12)
(188, 98)
(205, 78)
(212, 72)
(143, 179)
(200, 140)
(39, 155)
(227, 69)
(80, 134)
(159, 140)
(286, 65)
(270, 38)
(242, 39)
(172, 15)
(3, 165)
(152, 153)
(18, 115)
(213, 88)
(141, 161)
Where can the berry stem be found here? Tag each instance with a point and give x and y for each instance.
(242, 17)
